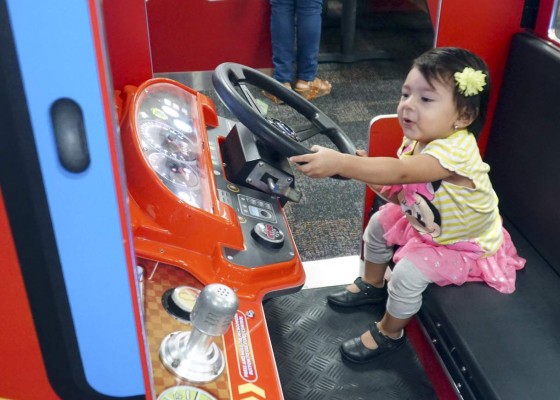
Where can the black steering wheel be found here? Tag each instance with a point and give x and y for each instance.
(271, 131)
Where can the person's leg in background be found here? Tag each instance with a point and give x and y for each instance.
(282, 30)
(308, 34)
(308, 20)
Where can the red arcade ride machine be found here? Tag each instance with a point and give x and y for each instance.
(135, 262)
(152, 288)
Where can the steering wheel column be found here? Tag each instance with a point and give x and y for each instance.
(250, 163)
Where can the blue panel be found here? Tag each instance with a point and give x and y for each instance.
(57, 60)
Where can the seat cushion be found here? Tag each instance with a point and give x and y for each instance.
(523, 144)
(506, 346)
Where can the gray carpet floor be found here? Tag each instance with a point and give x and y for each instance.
(327, 222)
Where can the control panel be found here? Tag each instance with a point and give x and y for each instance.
(186, 208)
(265, 231)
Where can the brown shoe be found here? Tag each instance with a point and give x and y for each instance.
(313, 89)
(272, 97)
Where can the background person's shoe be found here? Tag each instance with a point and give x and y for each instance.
(272, 97)
(368, 294)
(313, 89)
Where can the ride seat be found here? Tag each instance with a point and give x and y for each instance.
(506, 346)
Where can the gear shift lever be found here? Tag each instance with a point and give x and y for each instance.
(193, 356)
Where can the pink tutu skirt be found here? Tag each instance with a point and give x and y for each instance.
(450, 264)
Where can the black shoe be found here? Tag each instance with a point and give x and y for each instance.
(354, 350)
(368, 294)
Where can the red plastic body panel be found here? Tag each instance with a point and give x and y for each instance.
(21, 365)
(167, 230)
(385, 137)
(105, 81)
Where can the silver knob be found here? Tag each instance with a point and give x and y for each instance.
(193, 356)
(214, 309)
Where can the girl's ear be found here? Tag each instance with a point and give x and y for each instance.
(466, 118)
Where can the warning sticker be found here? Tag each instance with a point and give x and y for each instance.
(244, 349)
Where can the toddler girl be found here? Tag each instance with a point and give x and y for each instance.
(442, 213)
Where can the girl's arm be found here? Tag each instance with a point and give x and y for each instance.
(375, 170)
(377, 188)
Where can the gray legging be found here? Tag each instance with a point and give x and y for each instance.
(407, 283)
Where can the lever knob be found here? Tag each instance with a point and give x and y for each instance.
(193, 356)
(214, 309)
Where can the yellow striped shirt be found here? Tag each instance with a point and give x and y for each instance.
(467, 214)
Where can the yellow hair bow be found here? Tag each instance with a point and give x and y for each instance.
(470, 82)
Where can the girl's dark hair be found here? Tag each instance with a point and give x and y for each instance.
(441, 63)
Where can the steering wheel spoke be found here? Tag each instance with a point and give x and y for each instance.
(250, 99)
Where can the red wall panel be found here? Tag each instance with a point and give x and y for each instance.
(128, 43)
(198, 35)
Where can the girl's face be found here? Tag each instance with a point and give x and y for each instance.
(427, 112)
